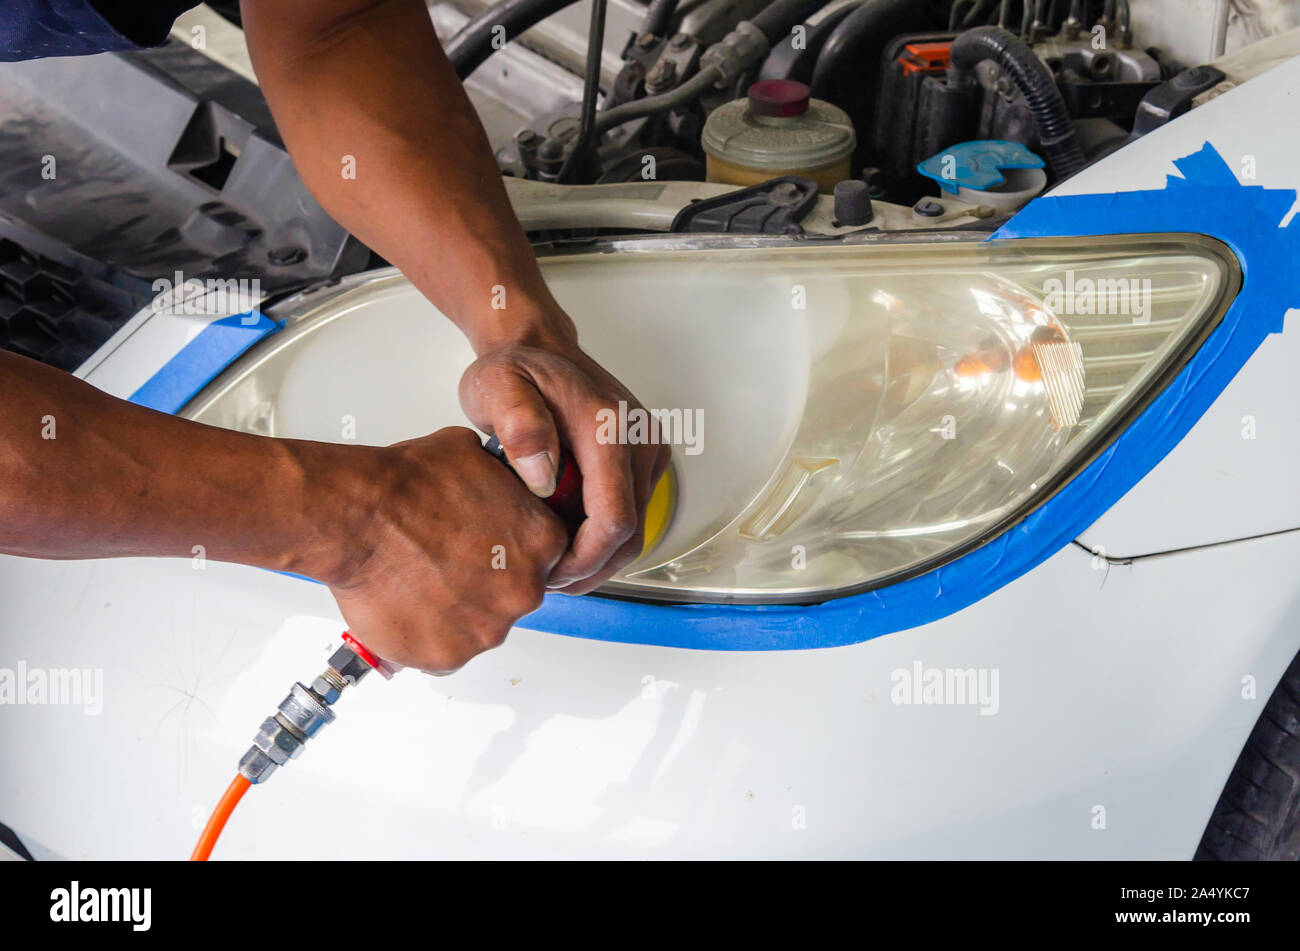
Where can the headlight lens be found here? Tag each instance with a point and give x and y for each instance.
(844, 415)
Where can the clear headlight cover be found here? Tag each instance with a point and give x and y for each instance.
(842, 416)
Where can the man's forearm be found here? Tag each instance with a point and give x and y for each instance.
(384, 135)
(83, 474)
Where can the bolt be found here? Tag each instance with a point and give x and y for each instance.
(680, 42)
(928, 208)
(662, 75)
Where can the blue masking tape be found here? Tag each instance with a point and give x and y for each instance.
(1208, 200)
(200, 360)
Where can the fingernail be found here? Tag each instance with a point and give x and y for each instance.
(538, 473)
(554, 583)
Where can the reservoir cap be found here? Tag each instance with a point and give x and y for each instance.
(977, 165)
(778, 98)
(778, 127)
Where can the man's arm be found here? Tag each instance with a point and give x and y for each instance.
(404, 536)
(362, 87)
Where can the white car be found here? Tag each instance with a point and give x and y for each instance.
(987, 542)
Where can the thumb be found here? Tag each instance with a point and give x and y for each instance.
(508, 404)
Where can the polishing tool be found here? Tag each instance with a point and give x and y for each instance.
(566, 501)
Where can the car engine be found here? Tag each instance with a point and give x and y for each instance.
(834, 116)
(759, 117)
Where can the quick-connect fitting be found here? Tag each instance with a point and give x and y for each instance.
(301, 715)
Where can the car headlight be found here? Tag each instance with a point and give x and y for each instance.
(843, 416)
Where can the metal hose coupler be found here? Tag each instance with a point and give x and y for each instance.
(303, 713)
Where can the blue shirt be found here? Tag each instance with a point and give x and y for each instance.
(31, 29)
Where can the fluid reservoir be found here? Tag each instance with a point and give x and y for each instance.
(778, 129)
(1004, 175)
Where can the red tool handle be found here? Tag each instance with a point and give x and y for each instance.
(382, 667)
(566, 500)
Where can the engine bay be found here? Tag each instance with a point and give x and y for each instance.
(746, 117)
(835, 116)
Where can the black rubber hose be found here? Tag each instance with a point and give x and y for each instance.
(786, 62)
(688, 91)
(849, 60)
(1014, 57)
(470, 47)
(779, 17)
(658, 17)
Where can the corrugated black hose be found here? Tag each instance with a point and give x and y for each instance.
(1056, 134)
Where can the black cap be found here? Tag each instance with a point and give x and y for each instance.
(852, 203)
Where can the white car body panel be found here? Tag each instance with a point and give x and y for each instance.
(155, 338)
(1120, 687)
(1217, 485)
(1116, 689)
(1225, 480)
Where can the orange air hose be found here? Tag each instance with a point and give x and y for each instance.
(234, 792)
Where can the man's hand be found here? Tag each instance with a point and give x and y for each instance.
(451, 554)
(534, 396)
(432, 547)
(365, 83)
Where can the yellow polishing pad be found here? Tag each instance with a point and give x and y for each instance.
(659, 513)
